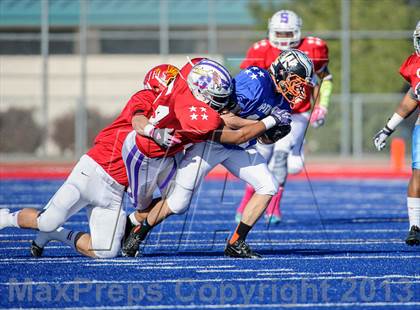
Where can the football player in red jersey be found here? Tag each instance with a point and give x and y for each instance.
(190, 106)
(97, 182)
(286, 156)
(410, 71)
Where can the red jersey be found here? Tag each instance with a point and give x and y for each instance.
(262, 54)
(193, 120)
(410, 71)
(108, 143)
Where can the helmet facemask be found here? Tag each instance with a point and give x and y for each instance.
(292, 87)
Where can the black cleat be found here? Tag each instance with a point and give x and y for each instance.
(240, 249)
(128, 227)
(131, 244)
(413, 237)
(36, 250)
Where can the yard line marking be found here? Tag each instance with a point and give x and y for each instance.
(146, 259)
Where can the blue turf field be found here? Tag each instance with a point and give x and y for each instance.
(345, 253)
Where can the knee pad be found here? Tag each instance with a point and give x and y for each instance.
(294, 164)
(58, 209)
(179, 199)
(102, 247)
(278, 165)
(269, 187)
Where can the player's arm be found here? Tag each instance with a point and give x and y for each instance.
(322, 94)
(235, 122)
(251, 131)
(407, 106)
(162, 136)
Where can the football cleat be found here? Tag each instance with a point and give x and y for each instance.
(131, 244)
(240, 249)
(413, 237)
(128, 227)
(36, 250)
(272, 219)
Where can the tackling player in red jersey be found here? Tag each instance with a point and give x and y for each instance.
(286, 156)
(97, 183)
(410, 71)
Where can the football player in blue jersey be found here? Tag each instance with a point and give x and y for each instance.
(257, 94)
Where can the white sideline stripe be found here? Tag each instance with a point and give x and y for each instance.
(241, 306)
(204, 280)
(121, 262)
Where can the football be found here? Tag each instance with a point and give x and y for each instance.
(274, 134)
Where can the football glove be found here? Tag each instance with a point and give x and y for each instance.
(164, 137)
(379, 140)
(318, 116)
(282, 117)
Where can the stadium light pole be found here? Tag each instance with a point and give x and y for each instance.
(211, 27)
(45, 73)
(163, 28)
(81, 115)
(345, 78)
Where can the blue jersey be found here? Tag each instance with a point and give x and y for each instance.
(256, 95)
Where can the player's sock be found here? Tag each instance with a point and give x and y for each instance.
(274, 205)
(62, 234)
(413, 205)
(8, 219)
(249, 191)
(240, 233)
(144, 230)
(133, 219)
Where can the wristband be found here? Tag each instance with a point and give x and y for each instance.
(148, 130)
(394, 121)
(269, 122)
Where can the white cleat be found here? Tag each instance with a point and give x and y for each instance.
(4, 220)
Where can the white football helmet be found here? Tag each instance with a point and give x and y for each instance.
(284, 29)
(211, 82)
(416, 38)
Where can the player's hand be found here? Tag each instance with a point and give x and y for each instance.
(282, 117)
(164, 137)
(318, 116)
(380, 138)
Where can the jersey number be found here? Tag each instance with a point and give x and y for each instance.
(160, 113)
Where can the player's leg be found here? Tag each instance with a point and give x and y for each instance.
(413, 193)
(197, 162)
(66, 201)
(161, 172)
(250, 167)
(266, 150)
(97, 189)
(287, 158)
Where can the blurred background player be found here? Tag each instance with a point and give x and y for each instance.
(97, 182)
(410, 71)
(286, 156)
